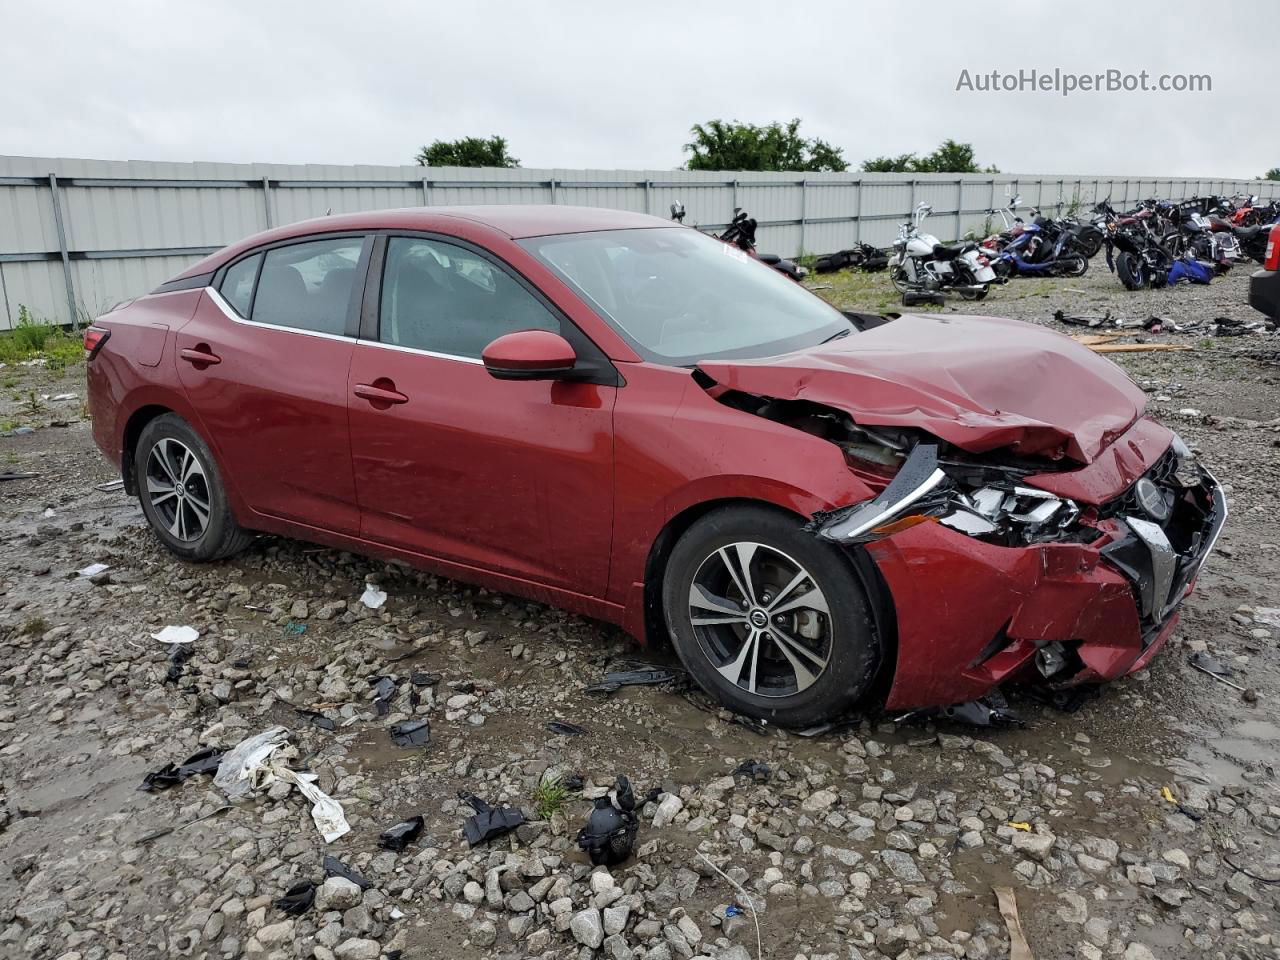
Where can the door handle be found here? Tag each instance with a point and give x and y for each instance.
(200, 355)
(382, 393)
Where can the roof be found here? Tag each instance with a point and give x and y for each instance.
(516, 221)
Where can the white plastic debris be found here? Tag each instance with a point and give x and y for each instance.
(258, 762)
(1270, 616)
(60, 398)
(373, 598)
(48, 512)
(173, 634)
(93, 569)
(236, 768)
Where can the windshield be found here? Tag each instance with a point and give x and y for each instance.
(680, 297)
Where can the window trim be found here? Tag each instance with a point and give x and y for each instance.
(592, 365)
(358, 283)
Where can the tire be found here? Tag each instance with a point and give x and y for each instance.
(192, 518)
(975, 294)
(1073, 265)
(829, 653)
(898, 277)
(1131, 271)
(1090, 246)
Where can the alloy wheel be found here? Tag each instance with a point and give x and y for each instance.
(178, 489)
(761, 619)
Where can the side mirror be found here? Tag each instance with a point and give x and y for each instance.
(677, 212)
(529, 355)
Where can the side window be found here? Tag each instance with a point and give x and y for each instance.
(443, 298)
(237, 284)
(308, 285)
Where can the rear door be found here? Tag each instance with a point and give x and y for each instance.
(514, 477)
(264, 362)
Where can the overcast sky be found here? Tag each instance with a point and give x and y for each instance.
(611, 85)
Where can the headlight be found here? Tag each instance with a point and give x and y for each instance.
(1008, 514)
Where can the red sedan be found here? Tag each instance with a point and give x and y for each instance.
(634, 421)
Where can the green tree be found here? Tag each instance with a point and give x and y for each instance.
(467, 152)
(1272, 174)
(950, 157)
(721, 145)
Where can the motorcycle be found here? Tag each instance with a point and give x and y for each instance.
(741, 233)
(920, 264)
(1194, 236)
(1044, 248)
(864, 257)
(1141, 260)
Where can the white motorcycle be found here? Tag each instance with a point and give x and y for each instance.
(920, 264)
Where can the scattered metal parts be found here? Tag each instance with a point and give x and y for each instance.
(637, 673)
(316, 718)
(333, 867)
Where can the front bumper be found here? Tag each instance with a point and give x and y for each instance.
(1264, 293)
(972, 615)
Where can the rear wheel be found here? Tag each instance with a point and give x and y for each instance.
(975, 294)
(182, 493)
(771, 620)
(1073, 265)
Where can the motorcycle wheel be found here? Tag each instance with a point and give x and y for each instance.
(901, 282)
(1090, 247)
(1073, 265)
(1131, 271)
(975, 294)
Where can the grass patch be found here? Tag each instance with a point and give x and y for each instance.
(31, 339)
(549, 798)
(34, 626)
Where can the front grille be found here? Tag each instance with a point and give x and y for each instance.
(1160, 557)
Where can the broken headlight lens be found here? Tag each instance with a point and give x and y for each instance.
(1014, 514)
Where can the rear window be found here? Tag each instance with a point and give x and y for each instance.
(308, 286)
(237, 285)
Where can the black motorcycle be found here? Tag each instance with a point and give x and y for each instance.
(1136, 255)
(741, 232)
(863, 257)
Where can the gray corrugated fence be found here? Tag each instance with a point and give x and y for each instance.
(77, 236)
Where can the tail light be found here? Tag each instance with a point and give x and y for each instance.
(94, 338)
(1273, 249)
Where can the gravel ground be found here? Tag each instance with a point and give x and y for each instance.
(876, 840)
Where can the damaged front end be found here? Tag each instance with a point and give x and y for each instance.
(997, 580)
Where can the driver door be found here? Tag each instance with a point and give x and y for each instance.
(510, 476)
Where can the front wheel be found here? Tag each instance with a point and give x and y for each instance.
(182, 494)
(768, 618)
(1131, 270)
(898, 277)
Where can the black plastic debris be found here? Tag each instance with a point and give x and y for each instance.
(170, 775)
(488, 823)
(401, 835)
(333, 867)
(11, 475)
(384, 691)
(637, 674)
(916, 298)
(298, 899)
(1209, 664)
(411, 733)
(572, 782)
(424, 679)
(757, 771)
(316, 718)
(179, 654)
(243, 663)
(610, 833)
(988, 712)
(567, 729)
(1082, 321)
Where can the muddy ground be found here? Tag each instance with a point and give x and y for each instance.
(879, 840)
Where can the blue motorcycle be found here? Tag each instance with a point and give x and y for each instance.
(1043, 249)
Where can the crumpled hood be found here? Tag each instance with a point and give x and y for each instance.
(981, 383)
